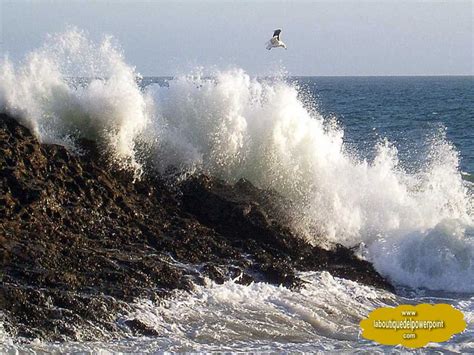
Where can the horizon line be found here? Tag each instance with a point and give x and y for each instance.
(339, 75)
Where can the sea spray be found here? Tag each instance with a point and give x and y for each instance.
(73, 87)
(234, 126)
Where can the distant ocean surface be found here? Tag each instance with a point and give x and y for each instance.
(405, 110)
(381, 164)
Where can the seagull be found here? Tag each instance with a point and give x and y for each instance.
(275, 41)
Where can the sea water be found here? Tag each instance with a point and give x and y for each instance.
(381, 163)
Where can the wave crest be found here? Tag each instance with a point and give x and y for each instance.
(72, 87)
(234, 126)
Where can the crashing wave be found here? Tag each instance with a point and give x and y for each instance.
(234, 126)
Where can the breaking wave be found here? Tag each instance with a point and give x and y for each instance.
(416, 227)
(72, 87)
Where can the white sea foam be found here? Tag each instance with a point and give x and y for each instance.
(234, 126)
(323, 316)
(416, 227)
(235, 316)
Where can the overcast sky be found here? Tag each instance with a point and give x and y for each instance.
(323, 37)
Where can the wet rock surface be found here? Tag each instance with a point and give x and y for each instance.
(79, 240)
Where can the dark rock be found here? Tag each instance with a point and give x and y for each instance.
(140, 328)
(80, 239)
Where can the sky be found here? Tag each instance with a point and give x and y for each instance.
(159, 38)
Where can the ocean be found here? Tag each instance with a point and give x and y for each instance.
(382, 164)
(408, 111)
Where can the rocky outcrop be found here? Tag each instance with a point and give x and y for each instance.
(79, 240)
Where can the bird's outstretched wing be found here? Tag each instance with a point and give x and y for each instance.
(276, 33)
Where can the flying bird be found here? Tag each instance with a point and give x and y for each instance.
(275, 42)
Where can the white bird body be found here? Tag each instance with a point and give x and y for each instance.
(275, 42)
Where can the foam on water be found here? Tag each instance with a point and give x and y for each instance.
(258, 316)
(416, 227)
(323, 316)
